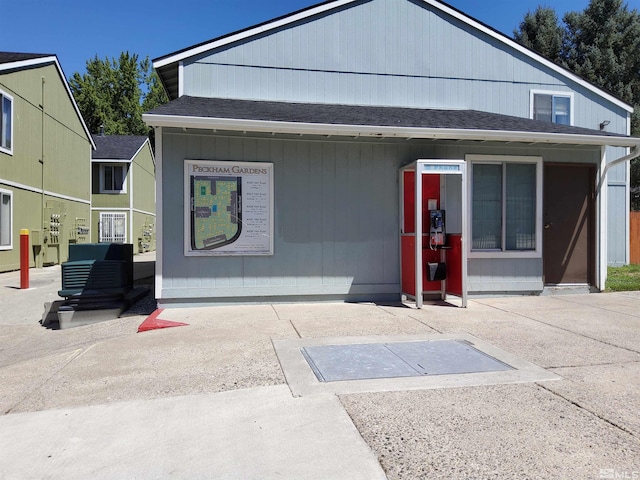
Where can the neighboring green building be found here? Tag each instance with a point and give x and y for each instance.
(45, 158)
(123, 191)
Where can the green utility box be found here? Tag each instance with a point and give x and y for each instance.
(96, 269)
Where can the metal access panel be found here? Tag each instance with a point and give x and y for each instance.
(403, 359)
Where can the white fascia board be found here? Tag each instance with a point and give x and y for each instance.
(140, 149)
(28, 63)
(181, 56)
(295, 128)
(530, 53)
(73, 101)
(43, 61)
(110, 160)
(178, 57)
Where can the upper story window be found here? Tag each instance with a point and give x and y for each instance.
(554, 107)
(6, 123)
(112, 178)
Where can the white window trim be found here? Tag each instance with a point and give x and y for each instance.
(553, 93)
(124, 180)
(112, 214)
(499, 159)
(10, 245)
(4, 149)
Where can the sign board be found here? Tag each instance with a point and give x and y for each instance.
(441, 168)
(228, 208)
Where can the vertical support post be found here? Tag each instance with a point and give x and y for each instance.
(24, 258)
(418, 229)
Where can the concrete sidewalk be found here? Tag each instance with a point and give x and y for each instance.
(210, 400)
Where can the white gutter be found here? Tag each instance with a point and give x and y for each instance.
(299, 128)
(635, 153)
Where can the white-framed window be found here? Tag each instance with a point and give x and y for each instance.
(6, 220)
(6, 123)
(113, 178)
(506, 206)
(554, 107)
(113, 227)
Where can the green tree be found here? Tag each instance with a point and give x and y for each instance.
(604, 48)
(113, 94)
(601, 44)
(541, 31)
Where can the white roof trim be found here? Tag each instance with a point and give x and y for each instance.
(530, 53)
(111, 160)
(296, 128)
(180, 56)
(250, 32)
(46, 60)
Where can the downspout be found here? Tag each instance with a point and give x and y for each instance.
(635, 153)
(130, 190)
(42, 224)
(602, 260)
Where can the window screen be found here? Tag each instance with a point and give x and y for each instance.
(504, 206)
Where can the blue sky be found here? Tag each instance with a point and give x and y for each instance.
(78, 30)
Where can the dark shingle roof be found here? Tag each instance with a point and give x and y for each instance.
(10, 57)
(332, 114)
(116, 147)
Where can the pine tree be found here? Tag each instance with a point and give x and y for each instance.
(602, 44)
(541, 31)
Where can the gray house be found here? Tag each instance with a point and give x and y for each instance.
(298, 159)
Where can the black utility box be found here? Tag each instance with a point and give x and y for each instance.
(436, 271)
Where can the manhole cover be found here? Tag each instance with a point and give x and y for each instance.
(332, 363)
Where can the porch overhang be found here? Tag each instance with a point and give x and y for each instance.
(372, 122)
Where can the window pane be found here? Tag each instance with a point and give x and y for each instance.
(7, 122)
(521, 207)
(562, 110)
(543, 107)
(5, 219)
(108, 178)
(3, 121)
(487, 207)
(118, 174)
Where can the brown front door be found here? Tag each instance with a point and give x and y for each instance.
(569, 224)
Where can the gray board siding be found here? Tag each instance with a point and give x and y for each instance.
(387, 52)
(617, 225)
(336, 219)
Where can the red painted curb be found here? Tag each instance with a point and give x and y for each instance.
(153, 322)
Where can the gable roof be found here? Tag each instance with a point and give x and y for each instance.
(14, 61)
(12, 57)
(167, 66)
(370, 121)
(117, 147)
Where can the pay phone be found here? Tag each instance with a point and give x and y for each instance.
(437, 232)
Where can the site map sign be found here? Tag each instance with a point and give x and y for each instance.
(230, 208)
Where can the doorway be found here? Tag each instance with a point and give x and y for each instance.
(569, 224)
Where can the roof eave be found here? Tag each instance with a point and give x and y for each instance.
(327, 6)
(111, 160)
(19, 65)
(375, 131)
